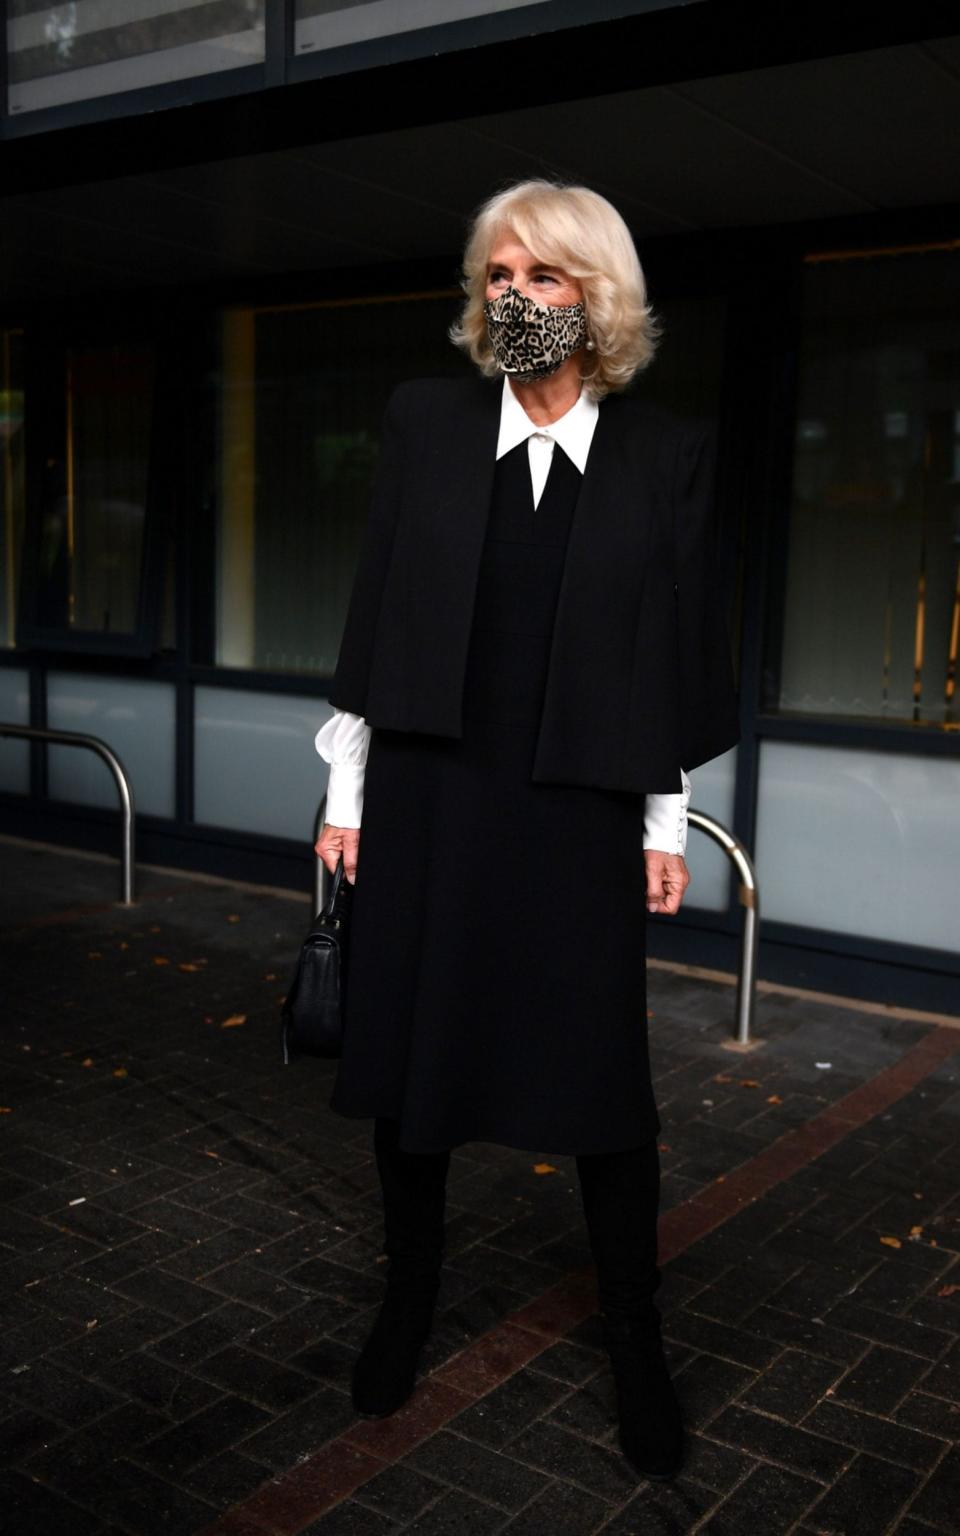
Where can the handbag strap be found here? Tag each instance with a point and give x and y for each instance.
(339, 894)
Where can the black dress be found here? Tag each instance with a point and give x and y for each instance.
(497, 986)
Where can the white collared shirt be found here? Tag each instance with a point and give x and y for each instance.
(343, 740)
(573, 431)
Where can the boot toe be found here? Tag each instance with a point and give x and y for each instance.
(654, 1451)
(385, 1371)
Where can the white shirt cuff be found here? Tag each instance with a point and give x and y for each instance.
(343, 742)
(665, 820)
(344, 806)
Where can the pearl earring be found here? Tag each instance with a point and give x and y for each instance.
(590, 346)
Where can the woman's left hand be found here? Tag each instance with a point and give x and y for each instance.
(667, 879)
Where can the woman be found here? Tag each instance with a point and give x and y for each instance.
(534, 655)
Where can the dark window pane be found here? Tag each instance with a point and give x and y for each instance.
(91, 544)
(301, 397)
(870, 621)
(685, 373)
(12, 479)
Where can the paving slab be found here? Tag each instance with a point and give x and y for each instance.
(191, 1253)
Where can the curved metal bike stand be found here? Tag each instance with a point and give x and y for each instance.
(124, 790)
(749, 897)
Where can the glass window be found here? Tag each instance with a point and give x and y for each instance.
(870, 622)
(333, 23)
(300, 397)
(12, 479)
(301, 394)
(90, 578)
(92, 48)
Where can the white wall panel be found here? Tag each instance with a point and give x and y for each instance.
(709, 866)
(15, 709)
(256, 767)
(135, 717)
(860, 842)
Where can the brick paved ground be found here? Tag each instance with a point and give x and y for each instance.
(189, 1258)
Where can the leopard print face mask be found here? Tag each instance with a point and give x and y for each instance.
(531, 340)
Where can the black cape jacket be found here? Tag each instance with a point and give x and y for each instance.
(639, 680)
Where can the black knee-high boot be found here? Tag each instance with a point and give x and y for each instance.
(414, 1195)
(621, 1198)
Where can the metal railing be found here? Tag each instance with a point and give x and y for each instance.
(94, 744)
(749, 897)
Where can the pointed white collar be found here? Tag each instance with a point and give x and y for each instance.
(573, 431)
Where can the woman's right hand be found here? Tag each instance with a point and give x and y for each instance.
(336, 840)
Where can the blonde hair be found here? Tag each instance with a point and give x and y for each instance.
(578, 230)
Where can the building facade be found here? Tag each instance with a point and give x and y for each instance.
(228, 228)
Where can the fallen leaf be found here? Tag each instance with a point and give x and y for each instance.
(891, 1242)
(94, 954)
(208, 1153)
(663, 1146)
(234, 1020)
(723, 1077)
(87, 1061)
(80, 1200)
(92, 1323)
(155, 928)
(160, 960)
(544, 1168)
(916, 1232)
(124, 944)
(774, 1098)
(5, 1109)
(270, 976)
(707, 1102)
(208, 1018)
(749, 1082)
(948, 1290)
(188, 965)
(120, 1072)
(233, 917)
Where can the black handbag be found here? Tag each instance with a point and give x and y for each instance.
(312, 1016)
